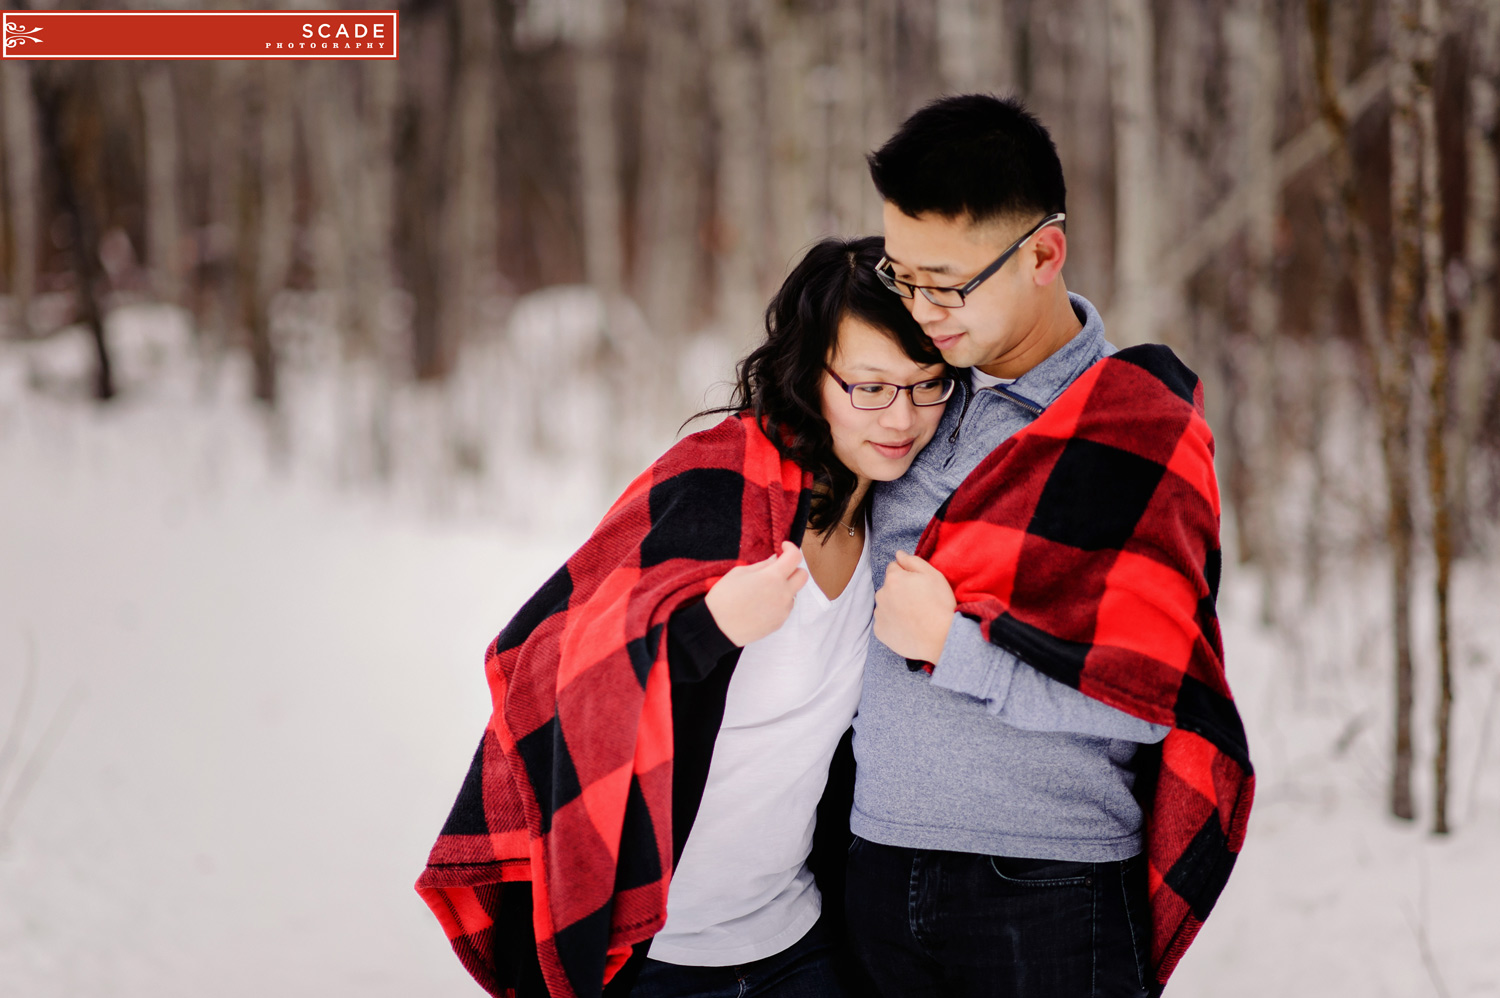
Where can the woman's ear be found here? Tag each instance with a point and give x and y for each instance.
(1046, 255)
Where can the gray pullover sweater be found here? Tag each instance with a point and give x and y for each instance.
(987, 755)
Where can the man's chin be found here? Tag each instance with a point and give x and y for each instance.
(955, 349)
(960, 356)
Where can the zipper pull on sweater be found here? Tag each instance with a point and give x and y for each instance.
(953, 436)
(1035, 408)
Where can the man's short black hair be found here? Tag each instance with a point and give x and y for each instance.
(974, 154)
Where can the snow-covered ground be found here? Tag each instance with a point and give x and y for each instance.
(262, 681)
(1331, 896)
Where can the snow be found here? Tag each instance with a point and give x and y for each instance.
(282, 687)
(1331, 896)
(266, 655)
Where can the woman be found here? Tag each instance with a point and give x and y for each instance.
(554, 863)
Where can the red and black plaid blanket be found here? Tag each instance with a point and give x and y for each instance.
(1087, 544)
(570, 792)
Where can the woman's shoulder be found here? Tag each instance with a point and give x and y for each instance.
(731, 443)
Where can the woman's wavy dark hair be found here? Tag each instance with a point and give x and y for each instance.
(781, 380)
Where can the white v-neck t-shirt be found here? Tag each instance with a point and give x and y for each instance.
(742, 890)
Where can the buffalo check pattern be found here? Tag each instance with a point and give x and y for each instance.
(1087, 545)
(570, 791)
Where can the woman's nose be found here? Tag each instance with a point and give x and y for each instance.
(900, 413)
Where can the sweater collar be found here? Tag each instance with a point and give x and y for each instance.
(1045, 382)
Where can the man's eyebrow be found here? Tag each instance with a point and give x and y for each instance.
(941, 268)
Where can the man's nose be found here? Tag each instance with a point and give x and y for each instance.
(925, 312)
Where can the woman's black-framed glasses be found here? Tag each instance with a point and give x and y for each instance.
(954, 297)
(882, 394)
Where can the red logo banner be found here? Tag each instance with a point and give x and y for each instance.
(182, 34)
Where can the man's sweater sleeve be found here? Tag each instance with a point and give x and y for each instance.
(1024, 698)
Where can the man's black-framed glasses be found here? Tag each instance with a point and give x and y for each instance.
(954, 297)
(882, 394)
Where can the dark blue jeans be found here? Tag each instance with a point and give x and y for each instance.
(960, 925)
(803, 970)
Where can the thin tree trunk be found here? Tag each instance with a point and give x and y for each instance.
(1406, 270)
(277, 135)
(1324, 342)
(598, 158)
(974, 51)
(789, 49)
(163, 184)
(23, 189)
(1131, 58)
(1383, 339)
(1255, 72)
(423, 145)
(1089, 163)
(470, 227)
(214, 306)
(1473, 375)
(1435, 309)
(326, 137)
(671, 135)
(740, 195)
(350, 165)
(71, 129)
(251, 275)
(622, 367)
(881, 33)
(848, 178)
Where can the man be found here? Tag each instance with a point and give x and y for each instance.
(999, 826)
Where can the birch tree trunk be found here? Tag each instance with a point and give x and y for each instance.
(671, 133)
(265, 211)
(470, 214)
(1435, 309)
(1395, 349)
(23, 189)
(1254, 75)
(879, 86)
(350, 150)
(1392, 371)
(623, 365)
(214, 309)
(739, 195)
(598, 156)
(789, 58)
(326, 136)
(1089, 163)
(849, 187)
(1473, 375)
(974, 51)
(163, 184)
(1131, 58)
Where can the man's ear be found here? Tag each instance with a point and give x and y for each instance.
(1046, 254)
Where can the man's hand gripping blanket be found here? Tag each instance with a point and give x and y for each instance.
(1087, 545)
(571, 788)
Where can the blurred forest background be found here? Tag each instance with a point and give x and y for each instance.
(500, 272)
